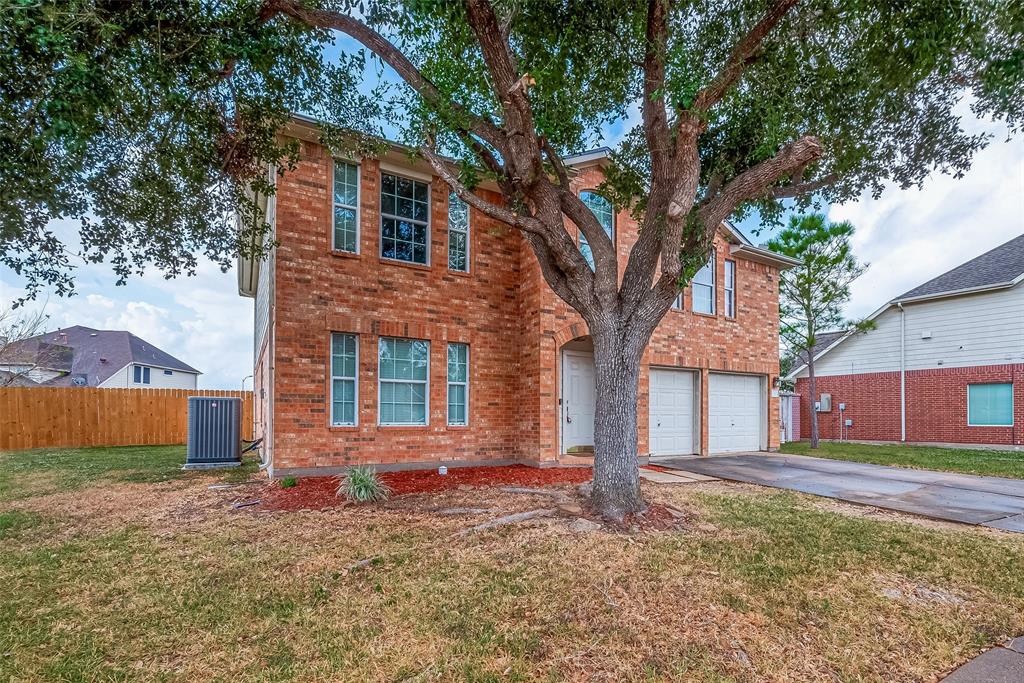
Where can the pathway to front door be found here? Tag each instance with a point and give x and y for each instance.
(987, 501)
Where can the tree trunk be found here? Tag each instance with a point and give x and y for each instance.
(616, 490)
(813, 388)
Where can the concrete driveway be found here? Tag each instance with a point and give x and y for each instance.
(987, 501)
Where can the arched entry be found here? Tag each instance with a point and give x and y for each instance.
(577, 397)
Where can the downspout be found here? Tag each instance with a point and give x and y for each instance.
(903, 373)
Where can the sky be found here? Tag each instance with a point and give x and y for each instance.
(907, 237)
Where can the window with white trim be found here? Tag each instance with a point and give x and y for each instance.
(703, 287)
(458, 384)
(346, 207)
(730, 289)
(403, 381)
(605, 214)
(344, 382)
(990, 405)
(141, 374)
(404, 219)
(458, 234)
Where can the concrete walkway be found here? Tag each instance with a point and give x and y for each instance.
(986, 501)
(1003, 664)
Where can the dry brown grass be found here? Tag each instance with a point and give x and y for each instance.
(167, 581)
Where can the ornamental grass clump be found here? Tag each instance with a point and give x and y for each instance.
(361, 484)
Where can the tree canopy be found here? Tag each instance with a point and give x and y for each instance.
(145, 122)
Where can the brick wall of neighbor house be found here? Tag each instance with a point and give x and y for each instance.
(513, 323)
(936, 405)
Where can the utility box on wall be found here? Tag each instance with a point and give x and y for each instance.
(825, 404)
(214, 432)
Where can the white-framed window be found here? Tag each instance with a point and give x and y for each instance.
(703, 287)
(458, 384)
(141, 375)
(678, 303)
(730, 289)
(404, 219)
(344, 379)
(346, 207)
(403, 377)
(990, 405)
(605, 214)
(458, 234)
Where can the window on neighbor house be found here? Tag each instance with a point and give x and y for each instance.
(602, 210)
(990, 405)
(730, 289)
(703, 287)
(404, 219)
(458, 384)
(403, 369)
(141, 374)
(458, 234)
(168, 372)
(344, 383)
(346, 207)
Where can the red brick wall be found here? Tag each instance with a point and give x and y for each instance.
(936, 405)
(514, 324)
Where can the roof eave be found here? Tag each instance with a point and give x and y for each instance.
(752, 253)
(959, 292)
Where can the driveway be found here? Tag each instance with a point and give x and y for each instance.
(987, 501)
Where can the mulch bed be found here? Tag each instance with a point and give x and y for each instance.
(316, 493)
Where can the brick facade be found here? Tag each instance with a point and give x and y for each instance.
(514, 324)
(936, 401)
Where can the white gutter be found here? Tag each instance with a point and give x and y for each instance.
(903, 373)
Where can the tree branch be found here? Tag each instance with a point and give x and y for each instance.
(655, 118)
(383, 48)
(743, 54)
(499, 213)
(797, 189)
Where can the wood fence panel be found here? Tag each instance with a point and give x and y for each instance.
(74, 417)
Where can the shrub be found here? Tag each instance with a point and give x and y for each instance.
(289, 482)
(360, 484)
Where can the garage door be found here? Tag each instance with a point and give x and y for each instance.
(671, 410)
(734, 413)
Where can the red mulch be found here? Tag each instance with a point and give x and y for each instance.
(315, 493)
(659, 468)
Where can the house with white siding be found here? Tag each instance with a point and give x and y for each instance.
(944, 363)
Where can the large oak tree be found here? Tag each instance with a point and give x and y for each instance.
(149, 121)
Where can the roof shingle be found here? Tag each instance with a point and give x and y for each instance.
(1000, 266)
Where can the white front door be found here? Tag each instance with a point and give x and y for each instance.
(735, 413)
(577, 400)
(671, 412)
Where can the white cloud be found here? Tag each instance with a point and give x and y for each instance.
(911, 236)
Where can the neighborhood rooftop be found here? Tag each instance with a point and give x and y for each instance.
(1000, 267)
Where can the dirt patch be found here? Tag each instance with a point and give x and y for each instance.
(318, 493)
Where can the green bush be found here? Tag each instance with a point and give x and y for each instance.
(289, 482)
(360, 484)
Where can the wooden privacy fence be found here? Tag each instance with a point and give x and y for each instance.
(42, 417)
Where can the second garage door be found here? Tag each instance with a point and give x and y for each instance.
(671, 410)
(734, 413)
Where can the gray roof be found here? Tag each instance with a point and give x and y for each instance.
(996, 268)
(825, 340)
(91, 356)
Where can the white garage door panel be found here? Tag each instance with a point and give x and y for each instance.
(734, 413)
(671, 412)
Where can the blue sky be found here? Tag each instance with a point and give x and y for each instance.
(908, 237)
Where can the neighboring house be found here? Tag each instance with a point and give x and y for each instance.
(83, 357)
(945, 362)
(395, 326)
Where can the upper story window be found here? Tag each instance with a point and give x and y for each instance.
(346, 207)
(403, 370)
(730, 289)
(458, 234)
(990, 405)
(344, 387)
(703, 287)
(404, 219)
(605, 214)
(141, 374)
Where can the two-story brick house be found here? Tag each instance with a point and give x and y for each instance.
(398, 327)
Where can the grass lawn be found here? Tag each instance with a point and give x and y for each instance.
(967, 460)
(135, 571)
